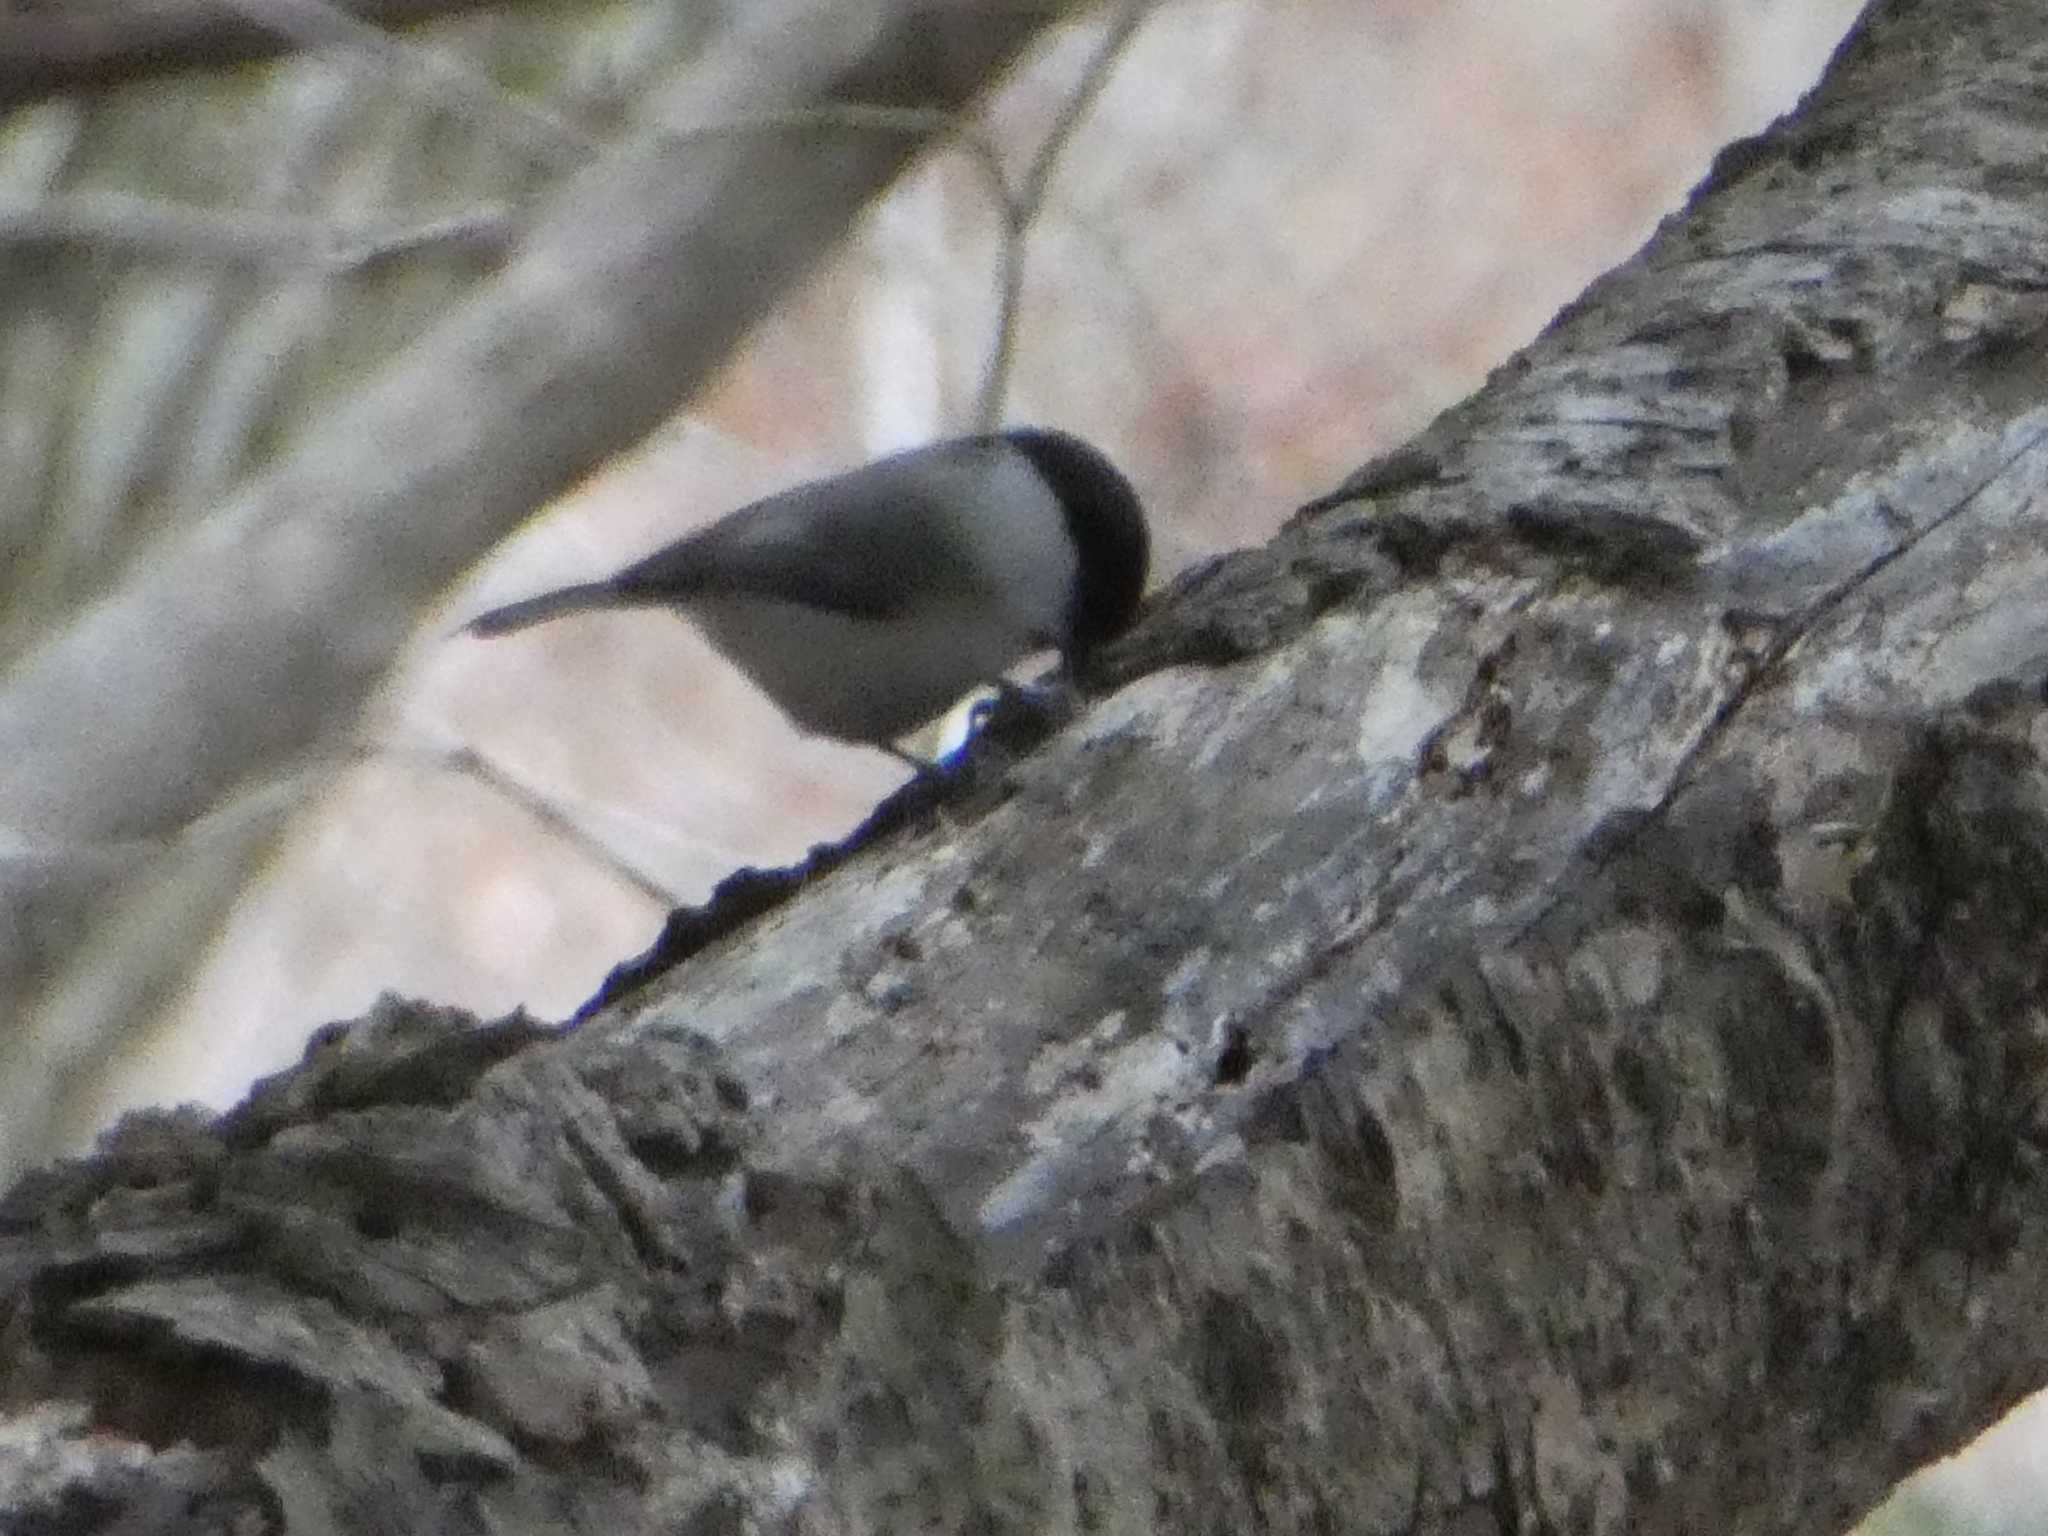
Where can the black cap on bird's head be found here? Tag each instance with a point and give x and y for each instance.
(1107, 524)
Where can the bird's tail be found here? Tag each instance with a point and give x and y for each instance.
(549, 605)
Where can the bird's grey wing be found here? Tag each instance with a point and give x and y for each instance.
(862, 544)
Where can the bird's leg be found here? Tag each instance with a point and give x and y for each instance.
(921, 768)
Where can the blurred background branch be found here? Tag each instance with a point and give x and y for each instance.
(552, 141)
(46, 51)
(238, 628)
(1023, 203)
(112, 223)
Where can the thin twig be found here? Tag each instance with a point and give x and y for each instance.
(467, 762)
(552, 140)
(1016, 207)
(287, 793)
(154, 227)
(485, 232)
(1022, 207)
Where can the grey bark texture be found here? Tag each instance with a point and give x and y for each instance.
(1524, 1010)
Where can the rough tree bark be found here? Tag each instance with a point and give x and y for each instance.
(1524, 1010)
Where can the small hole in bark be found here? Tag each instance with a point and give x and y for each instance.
(1235, 1060)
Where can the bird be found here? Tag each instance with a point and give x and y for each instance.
(867, 603)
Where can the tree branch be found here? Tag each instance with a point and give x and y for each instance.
(550, 139)
(53, 51)
(117, 223)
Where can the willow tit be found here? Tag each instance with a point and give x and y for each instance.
(866, 603)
